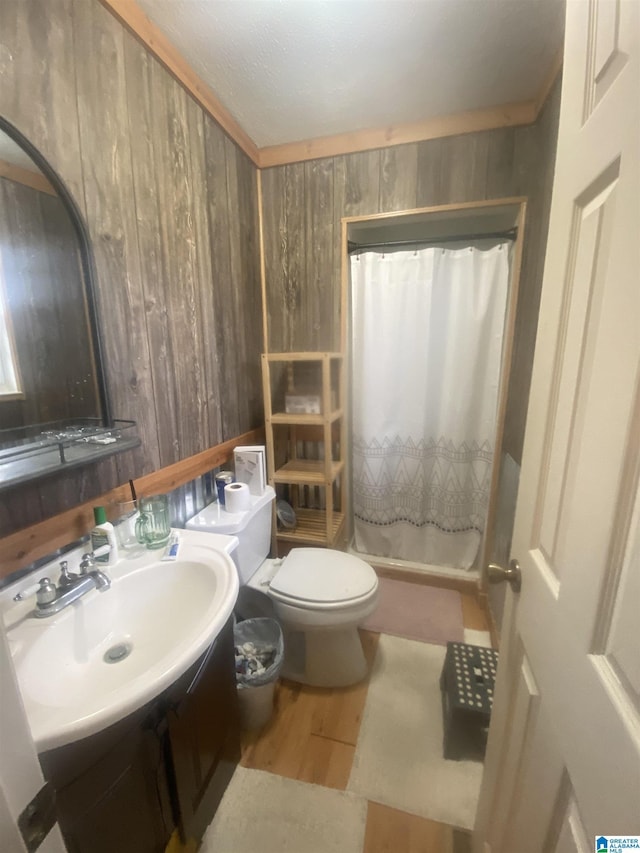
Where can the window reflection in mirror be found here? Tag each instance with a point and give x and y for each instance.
(10, 380)
(46, 351)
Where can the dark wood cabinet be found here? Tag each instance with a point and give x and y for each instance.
(204, 739)
(166, 765)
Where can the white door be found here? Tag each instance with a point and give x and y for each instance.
(20, 773)
(563, 759)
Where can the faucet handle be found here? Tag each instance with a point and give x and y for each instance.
(87, 563)
(47, 592)
(28, 591)
(66, 578)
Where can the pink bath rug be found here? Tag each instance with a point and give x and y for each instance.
(417, 612)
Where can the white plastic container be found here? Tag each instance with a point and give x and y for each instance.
(255, 705)
(104, 534)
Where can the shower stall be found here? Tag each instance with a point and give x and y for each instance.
(431, 304)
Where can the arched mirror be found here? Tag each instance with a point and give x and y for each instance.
(54, 410)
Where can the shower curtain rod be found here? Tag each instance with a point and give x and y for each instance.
(511, 234)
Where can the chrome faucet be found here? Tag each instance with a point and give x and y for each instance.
(71, 586)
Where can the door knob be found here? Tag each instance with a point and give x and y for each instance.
(513, 575)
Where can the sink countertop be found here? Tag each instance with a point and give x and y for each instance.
(167, 613)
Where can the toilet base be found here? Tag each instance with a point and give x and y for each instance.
(324, 658)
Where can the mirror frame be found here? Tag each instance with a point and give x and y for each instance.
(86, 259)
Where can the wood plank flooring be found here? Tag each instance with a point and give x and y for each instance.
(312, 737)
(391, 831)
(313, 732)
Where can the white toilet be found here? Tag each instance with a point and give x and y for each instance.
(318, 595)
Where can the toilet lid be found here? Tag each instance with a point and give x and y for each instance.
(323, 576)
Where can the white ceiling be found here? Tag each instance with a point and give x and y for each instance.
(289, 70)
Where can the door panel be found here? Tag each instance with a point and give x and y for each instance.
(538, 789)
(572, 362)
(576, 532)
(520, 728)
(622, 640)
(571, 836)
(605, 57)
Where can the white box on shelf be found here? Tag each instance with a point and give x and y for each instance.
(251, 467)
(302, 404)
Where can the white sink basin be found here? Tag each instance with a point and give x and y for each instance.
(164, 614)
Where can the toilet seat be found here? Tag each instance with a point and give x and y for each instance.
(323, 579)
(308, 604)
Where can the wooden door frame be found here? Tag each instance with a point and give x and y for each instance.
(519, 204)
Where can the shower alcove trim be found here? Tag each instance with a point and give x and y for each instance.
(434, 224)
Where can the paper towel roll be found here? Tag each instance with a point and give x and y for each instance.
(237, 497)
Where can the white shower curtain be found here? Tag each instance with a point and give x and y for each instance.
(427, 331)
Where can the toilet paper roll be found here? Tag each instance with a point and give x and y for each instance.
(237, 497)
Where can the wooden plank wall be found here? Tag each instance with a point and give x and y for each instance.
(536, 162)
(171, 209)
(304, 202)
(45, 289)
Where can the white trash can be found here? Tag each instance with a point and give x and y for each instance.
(259, 649)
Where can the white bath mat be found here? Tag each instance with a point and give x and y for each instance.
(398, 760)
(268, 813)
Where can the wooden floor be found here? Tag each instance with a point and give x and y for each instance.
(312, 738)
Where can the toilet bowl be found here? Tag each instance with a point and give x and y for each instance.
(318, 595)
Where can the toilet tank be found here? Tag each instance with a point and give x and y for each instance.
(253, 529)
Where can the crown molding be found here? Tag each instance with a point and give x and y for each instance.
(507, 115)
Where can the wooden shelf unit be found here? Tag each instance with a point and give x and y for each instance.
(322, 375)
(307, 472)
(312, 527)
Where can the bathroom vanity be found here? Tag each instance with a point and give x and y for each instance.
(164, 766)
(130, 694)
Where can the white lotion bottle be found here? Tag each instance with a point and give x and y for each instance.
(104, 534)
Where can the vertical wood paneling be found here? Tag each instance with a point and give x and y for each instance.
(179, 295)
(39, 96)
(356, 192)
(236, 331)
(126, 139)
(280, 298)
(67, 282)
(501, 163)
(21, 509)
(38, 72)
(464, 167)
(356, 184)
(527, 154)
(219, 224)
(147, 305)
(44, 292)
(112, 124)
(316, 321)
(284, 249)
(431, 188)
(275, 257)
(206, 310)
(106, 158)
(250, 314)
(293, 240)
(76, 488)
(398, 178)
